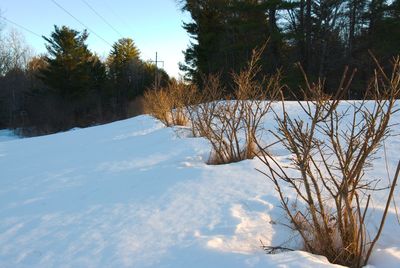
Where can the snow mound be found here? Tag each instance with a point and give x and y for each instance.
(136, 194)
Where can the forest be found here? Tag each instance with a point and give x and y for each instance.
(323, 36)
(70, 86)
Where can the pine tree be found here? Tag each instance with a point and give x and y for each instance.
(224, 33)
(73, 77)
(204, 55)
(123, 52)
(125, 72)
(384, 29)
(70, 64)
(123, 59)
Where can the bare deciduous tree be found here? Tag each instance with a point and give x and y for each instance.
(14, 58)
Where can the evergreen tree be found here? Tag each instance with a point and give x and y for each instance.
(73, 75)
(203, 56)
(248, 28)
(124, 64)
(70, 64)
(125, 72)
(129, 76)
(224, 33)
(384, 29)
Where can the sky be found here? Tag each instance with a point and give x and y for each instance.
(154, 25)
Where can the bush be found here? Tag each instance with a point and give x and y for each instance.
(232, 124)
(330, 149)
(169, 104)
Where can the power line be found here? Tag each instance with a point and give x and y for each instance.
(101, 17)
(20, 26)
(84, 25)
(119, 17)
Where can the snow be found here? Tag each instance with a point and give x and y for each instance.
(136, 194)
(7, 135)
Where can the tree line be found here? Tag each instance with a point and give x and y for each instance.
(69, 86)
(323, 36)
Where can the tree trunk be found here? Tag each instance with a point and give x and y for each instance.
(308, 30)
(352, 26)
(274, 31)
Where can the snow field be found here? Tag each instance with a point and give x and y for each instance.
(136, 194)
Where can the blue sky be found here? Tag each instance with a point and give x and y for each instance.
(154, 25)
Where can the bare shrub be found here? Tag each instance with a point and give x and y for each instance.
(158, 104)
(255, 99)
(169, 104)
(232, 123)
(205, 106)
(331, 147)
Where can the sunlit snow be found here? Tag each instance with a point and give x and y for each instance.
(136, 194)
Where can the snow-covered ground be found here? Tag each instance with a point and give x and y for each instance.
(136, 194)
(7, 135)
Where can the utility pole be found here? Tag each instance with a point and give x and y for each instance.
(156, 76)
